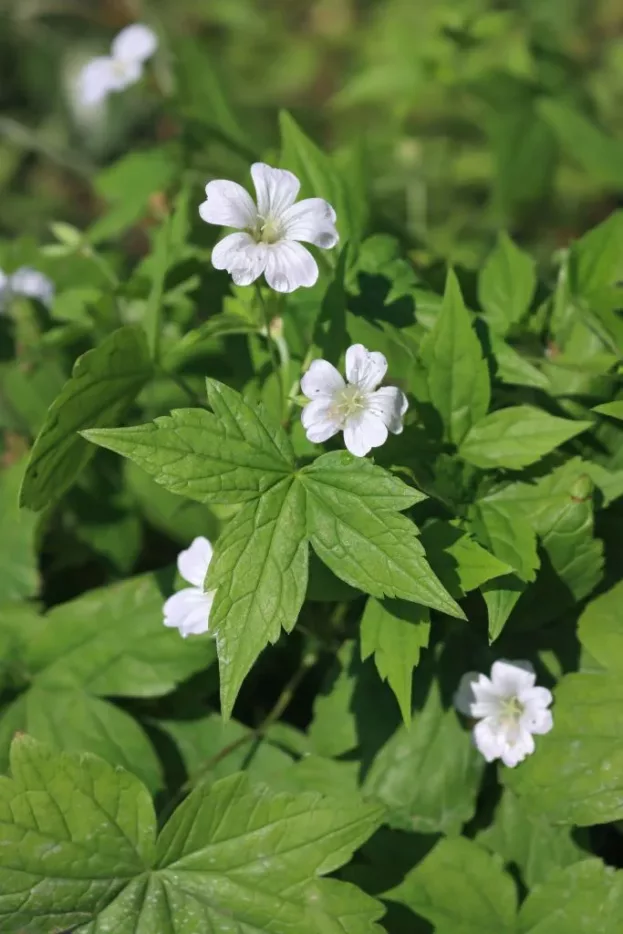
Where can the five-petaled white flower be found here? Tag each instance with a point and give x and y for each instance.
(27, 282)
(108, 73)
(189, 609)
(364, 413)
(271, 230)
(509, 709)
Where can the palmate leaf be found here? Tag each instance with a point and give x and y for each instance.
(347, 508)
(233, 854)
(587, 896)
(104, 383)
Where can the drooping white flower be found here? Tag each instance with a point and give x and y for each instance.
(109, 73)
(272, 229)
(509, 709)
(358, 408)
(189, 609)
(28, 282)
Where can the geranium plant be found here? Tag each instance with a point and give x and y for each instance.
(311, 601)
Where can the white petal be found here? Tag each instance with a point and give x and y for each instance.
(537, 719)
(364, 368)
(319, 421)
(135, 43)
(194, 562)
(32, 284)
(510, 678)
(464, 697)
(276, 190)
(321, 381)
(512, 753)
(312, 221)
(290, 266)
(390, 404)
(228, 205)
(362, 432)
(536, 697)
(189, 610)
(488, 740)
(241, 256)
(97, 79)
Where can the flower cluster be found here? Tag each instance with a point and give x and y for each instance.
(27, 282)
(107, 74)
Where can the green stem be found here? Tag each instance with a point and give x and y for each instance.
(271, 342)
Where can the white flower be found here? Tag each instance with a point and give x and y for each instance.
(509, 709)
(364, 413)
(272, 229)
(189, 609)
(108, 73)
(28, 282)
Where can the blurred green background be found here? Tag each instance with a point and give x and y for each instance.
(464, 115)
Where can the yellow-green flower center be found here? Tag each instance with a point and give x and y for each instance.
(348, 402)
(266, 230)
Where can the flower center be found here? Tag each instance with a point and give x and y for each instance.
(511, 710)
(348, 402)
(266, 230)
(119, 68)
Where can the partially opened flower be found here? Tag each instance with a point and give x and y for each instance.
(271, 230)
(108, 73)
(189, 609)
(509, 709)
(358, 408)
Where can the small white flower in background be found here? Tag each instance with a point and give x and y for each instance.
(358, 408)
(27, 282)
(109, 73)
(189, 609)
(272, 230)
(509, 709)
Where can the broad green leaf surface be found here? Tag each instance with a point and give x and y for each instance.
(428, 775)
(508, 534)
(596, 259)
(560, 509)
(111, 641)
(70, 720)
(513, 368)
(458, 377)
(613, 409)
(460, 889)
(259, 572)
(91, 830)
(355, 529)
(583, 755)
(395, 632)
(104, 383)
(517, 436)
(229, 456)
(19, 574)
(232, 854)
(461, 563)
(506, 284)
(597, 153)
(600, 628)
(586, 897)
(526, 840)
